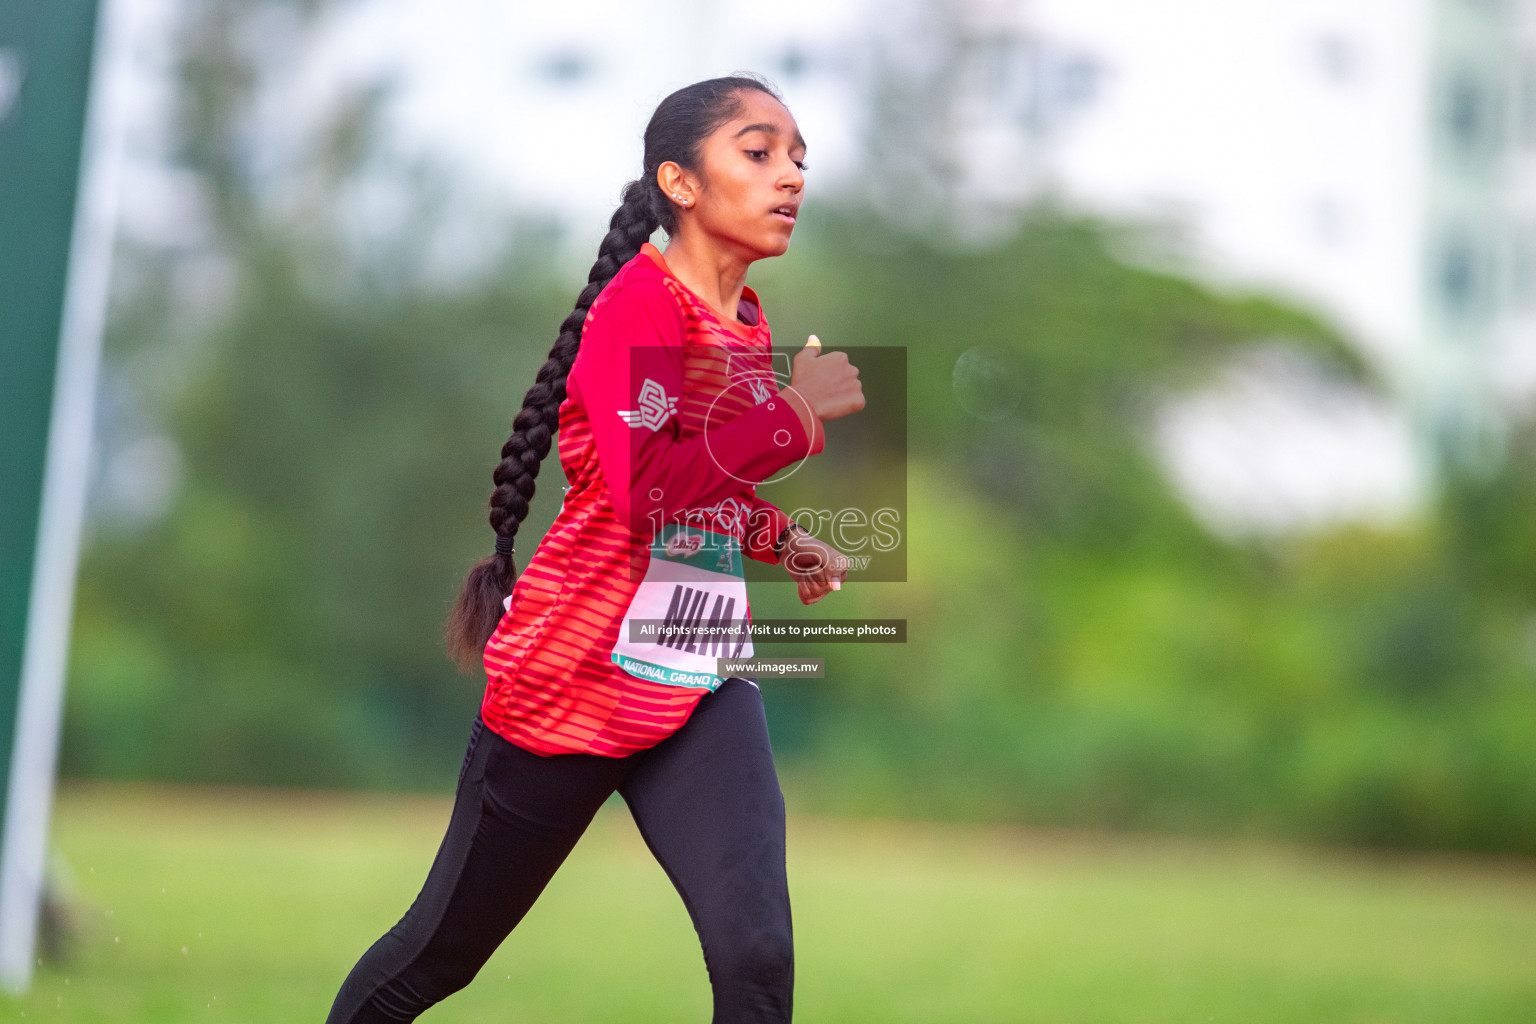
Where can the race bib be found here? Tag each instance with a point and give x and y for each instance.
(690, 610)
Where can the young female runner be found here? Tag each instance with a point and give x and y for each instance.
(668, 415)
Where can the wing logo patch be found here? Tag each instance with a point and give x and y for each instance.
(655, 407)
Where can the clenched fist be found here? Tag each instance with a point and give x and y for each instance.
(827, 383)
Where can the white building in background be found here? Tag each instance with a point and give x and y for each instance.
(1374, 159)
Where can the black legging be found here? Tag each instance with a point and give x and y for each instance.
(708, 805)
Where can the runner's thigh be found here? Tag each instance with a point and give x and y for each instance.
(533, 809)
(516, 817)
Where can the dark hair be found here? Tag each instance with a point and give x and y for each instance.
(681, 122)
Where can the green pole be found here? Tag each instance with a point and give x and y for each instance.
(59, 152)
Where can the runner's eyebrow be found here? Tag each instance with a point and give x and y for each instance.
(771, 129)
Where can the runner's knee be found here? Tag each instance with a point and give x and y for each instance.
(759, 959)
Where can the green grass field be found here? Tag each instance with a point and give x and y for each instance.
(199, 905)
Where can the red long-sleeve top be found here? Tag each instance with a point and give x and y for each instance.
(671, 414)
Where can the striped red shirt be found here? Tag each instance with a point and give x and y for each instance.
(671, 414)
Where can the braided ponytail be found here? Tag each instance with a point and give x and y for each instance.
(681, 122)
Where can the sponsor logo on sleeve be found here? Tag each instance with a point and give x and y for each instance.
(654, 407)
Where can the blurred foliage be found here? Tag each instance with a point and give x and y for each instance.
(1081, 651)
(284, 617)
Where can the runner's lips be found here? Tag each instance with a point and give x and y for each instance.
(787, 210)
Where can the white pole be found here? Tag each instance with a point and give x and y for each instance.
(34, 754)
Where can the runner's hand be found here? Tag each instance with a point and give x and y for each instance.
(828, 381)
(815, 565)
